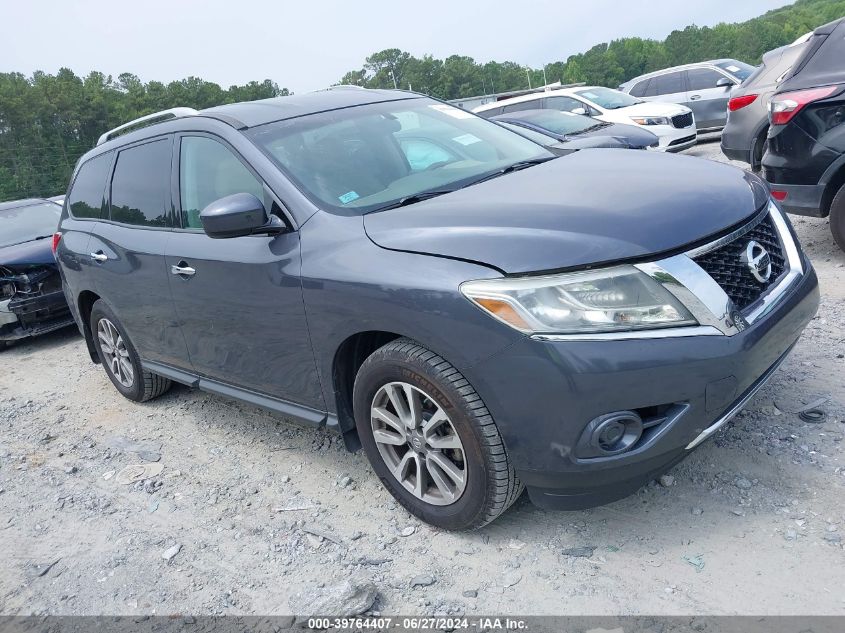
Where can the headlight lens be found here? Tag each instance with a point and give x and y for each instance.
(609, 300)
(650, 120)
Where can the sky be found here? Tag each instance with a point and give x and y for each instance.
(307, 45)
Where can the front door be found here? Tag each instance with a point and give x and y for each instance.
(238, 300)
(708, 101)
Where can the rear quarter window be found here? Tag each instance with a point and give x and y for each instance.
(87, 195)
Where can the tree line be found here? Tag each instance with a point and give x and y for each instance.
(606, 64)
(48, 121)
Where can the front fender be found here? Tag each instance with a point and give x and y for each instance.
(350, 285)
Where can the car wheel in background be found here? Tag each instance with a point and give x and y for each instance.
(837, 217)
(760, 148)
(119, 358)
(430, 439)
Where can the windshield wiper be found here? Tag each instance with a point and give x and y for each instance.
(414, 198)
(523, 164)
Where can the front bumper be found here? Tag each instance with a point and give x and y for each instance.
(543, 394)
(34, 315)
(672, 139)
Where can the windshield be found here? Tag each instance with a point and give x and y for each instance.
(560, 122)
(372, 156)
(740, 70)
(23, 224)
(607, 98)
(534, 135)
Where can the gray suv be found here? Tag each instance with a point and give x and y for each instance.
(745, 135)
(477, 314)
(703, 87)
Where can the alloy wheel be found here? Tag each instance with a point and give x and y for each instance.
(418, 443)
(115, 352)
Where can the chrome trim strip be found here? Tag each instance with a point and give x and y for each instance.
(722, 421)
(695, 289)
(668, 332)
(730, 237)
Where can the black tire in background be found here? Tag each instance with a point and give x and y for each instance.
(491, 483)
(837, 217)
(145, 385)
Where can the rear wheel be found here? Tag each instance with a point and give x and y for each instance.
(760, 148)
(430, 439)
(837, 217)
(120, 359)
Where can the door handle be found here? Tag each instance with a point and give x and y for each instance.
(695, 97)
(182, 269)
(99, 257)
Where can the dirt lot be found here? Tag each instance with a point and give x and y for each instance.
(249, 510)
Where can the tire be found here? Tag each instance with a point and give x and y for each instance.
(760, 148)
(837, 217)
(490, 484)
(140, 385)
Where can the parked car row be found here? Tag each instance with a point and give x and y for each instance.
(674, 125)
(479, 313)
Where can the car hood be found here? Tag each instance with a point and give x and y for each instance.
(650, 108)
(589, 207)
(624, 135)
(34, 253)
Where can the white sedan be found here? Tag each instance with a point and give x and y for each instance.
(673, 124)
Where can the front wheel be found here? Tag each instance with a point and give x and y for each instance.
(430, 439)
(120, 359)
(837, 217)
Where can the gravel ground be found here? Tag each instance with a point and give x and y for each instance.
(249, 514)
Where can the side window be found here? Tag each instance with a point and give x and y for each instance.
(703, 78)
(523, 105)
(640, 88)
(668, 84)
(87, 196)
(567, 104)
(208, 170)
(140, 185)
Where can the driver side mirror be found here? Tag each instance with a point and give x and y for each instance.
(238, 215)
(724, 82)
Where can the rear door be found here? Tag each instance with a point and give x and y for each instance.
(127, 250)
(708, 101)
(240, 303)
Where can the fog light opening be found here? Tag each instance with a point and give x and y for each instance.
(616, 433)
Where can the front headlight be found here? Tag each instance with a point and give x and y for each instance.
(607, 300)
(650, 120)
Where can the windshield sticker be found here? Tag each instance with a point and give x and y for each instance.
(452, 111)
(348, 197)
(466, 139)
(732, 69)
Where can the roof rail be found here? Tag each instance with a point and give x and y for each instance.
(172, 113)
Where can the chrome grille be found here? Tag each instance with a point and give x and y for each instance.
(724, 264)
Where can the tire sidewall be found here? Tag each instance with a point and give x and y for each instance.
(837, 217)
(383, 368)
(136, 391)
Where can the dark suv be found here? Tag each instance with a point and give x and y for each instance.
(475, 313)
(805, 156)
